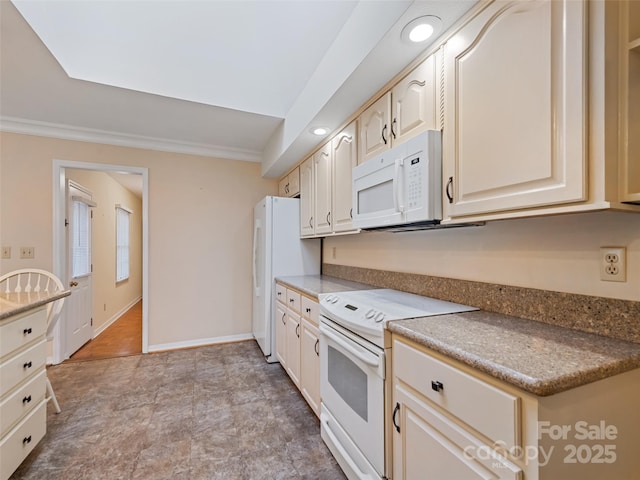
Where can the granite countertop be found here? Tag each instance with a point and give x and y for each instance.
(314, 285)
(15, 303)
(539, 358)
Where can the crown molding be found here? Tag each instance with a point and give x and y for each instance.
(82, 134)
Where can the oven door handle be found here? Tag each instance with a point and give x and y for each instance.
(370, 359)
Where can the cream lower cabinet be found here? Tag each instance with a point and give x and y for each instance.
(23, 406)
(297, 342)
(450, 421)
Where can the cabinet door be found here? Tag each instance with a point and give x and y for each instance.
(310, 365)
(430, 445)
(322, 173)
(629, 101)
(374, 127)
(283, 185)
(293, 347)
(515, 96)
(413, 103)
(294, 182)
(307, 227)
(345, 158)
(281, 334)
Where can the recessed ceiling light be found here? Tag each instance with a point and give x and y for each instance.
(319, 131)
(420, 29)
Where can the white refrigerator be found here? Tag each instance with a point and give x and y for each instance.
(277, 251)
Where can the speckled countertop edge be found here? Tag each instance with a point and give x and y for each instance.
(538, 358)
(314, 285)
(15, 303)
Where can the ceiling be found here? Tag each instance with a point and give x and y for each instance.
(243, 80)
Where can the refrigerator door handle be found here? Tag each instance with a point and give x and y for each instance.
(256, 228)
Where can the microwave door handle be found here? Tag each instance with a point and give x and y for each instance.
(398, 186)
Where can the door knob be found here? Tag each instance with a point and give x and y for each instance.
(73, 283)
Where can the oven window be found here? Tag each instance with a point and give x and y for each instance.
(376, 198)
(348, 381)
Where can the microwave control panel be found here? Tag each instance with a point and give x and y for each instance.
(415, 182)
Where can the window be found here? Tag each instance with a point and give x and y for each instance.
(80, 252)
(122, 243)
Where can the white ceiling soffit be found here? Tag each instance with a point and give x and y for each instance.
(233, 79)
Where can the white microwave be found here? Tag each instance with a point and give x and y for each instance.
(402, 186)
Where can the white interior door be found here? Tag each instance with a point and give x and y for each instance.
(78, 328)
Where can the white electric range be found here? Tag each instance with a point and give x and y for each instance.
(352, 371)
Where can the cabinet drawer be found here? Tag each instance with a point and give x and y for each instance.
(23, 330)
(21, 366)
(310, 310)
(281, 293)
(15, 447)
(21, 402)
(293, 300)
(490, 411)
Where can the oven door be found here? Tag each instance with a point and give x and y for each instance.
(352, 391)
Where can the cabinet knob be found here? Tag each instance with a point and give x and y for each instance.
(437, 386)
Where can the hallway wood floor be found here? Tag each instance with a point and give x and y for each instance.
(121, 339)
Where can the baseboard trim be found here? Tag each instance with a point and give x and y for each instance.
(200, 342)
(115, 317)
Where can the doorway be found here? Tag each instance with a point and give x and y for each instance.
(61, 168)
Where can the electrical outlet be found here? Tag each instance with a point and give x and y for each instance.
(613, 264)
(27, 252)
(6, 253)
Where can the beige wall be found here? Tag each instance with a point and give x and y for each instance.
(200, 228)
(559, 253)
(111, 299)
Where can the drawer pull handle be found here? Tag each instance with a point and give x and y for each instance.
(26, 399)
(291, 300)
(283, 320)
(27, 331)
(308, 310)
(437, 386)
(298, 330)
(26, 440)
(395, 412)
(27, 365)
(315, 347)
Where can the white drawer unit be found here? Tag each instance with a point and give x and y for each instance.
(23, 404)
(18, 443)
(293, 300)
(492, 413)
(281, 293)
(310, 310)
(22, 401)
(22, 331)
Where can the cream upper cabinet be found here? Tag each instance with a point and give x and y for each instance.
(410, 107)
(344, 151)
(375, 135)
(414, 102)
(307, 226)
(289, 185)
(630, 101)
(515, 108)
(322, 205)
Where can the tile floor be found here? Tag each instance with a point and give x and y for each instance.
(218, 412)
